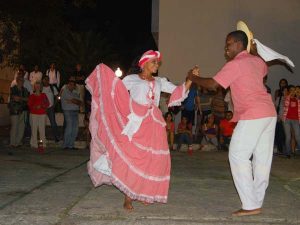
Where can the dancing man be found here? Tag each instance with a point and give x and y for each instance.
(251, 147)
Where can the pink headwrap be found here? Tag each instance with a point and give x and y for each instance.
(148, 56)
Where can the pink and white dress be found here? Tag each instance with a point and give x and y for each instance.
(129, 146)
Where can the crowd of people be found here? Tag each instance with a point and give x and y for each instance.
(34, 96)
(205, 118)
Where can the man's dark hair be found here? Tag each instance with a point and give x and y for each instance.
(239, 35)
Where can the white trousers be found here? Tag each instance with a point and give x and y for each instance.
(37, 123)
(251, 178)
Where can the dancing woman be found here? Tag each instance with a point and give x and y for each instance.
(129, 147)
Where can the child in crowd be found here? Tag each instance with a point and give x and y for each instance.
(226, 130)
(170, 128)
(184, 132)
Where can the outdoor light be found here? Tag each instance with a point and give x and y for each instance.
(118, 72)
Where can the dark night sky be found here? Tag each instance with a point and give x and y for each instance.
(126, 23)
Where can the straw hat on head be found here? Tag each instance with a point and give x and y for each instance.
(263, 51)
(243, 27)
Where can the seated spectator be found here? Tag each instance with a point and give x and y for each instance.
(170, 128)
(226, 130)
(38, 104)
(18, 110)
(51, 93)
(291, 119)
(184, 133)
(70, 103)
(210, 132)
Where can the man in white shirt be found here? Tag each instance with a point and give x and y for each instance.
(54, 76)
(35, 75)
(51, 93)
(21, 67)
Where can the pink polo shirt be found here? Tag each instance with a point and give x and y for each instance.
(244, 74)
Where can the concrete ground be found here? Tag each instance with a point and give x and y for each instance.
(54, 188)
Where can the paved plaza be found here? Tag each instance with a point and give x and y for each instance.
(54, 188)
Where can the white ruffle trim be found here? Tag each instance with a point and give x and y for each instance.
(134, 123)
(102, 166)
(184, 95)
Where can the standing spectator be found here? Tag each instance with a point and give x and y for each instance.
(205, 103)
(80, 77)
(218, 104)
(35, 75)
(279, 104)
(54, 76)
(278, 93)
(170, 128)
(51, 93)
(184, 133)
(22, 67)
(226, 130)
(228, 100)
(17, 110)
(38, 104)
(190, 104)
(291, 118)
(26, 82)
(70, 103)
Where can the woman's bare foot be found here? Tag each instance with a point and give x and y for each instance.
(128, 203)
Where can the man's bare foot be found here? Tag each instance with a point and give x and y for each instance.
(128, 203)
(243, 212)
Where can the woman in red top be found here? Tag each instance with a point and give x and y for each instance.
(37, 103)
(170, 128)
(291, 118)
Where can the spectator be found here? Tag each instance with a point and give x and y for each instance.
(278, 93)
(291, 118)
(35, 75)
(205, 103)
(184, 133)
(21, 67)
(54, 76)
(210, 132)
(170, 128)
(26, 82)
(17, 110)
(80, 77)
(218, 104)
(52, 94)
(86, 133)
(163, 102)
(228, 100)
(279, 139)
(38, 104)
(70, 103)
(190, 105)
(226, 130)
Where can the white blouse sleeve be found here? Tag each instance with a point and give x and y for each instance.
(167, 86)
(127, 81)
